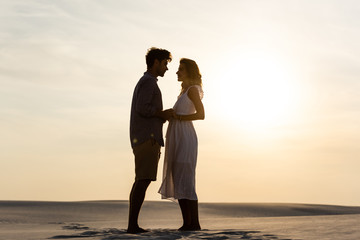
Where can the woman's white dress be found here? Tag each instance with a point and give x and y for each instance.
(180, 153)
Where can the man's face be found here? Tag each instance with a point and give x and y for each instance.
(162, 67)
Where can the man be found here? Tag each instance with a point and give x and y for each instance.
(146, 122)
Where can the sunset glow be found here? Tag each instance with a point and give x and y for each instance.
(281, 97)
(259, 92)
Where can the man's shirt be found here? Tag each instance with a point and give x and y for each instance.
(146, 102)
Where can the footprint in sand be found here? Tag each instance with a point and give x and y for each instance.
(157, 234)
(75, 226)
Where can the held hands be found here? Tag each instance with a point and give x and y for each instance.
(168, 114)
(175, 116)
(178, 117)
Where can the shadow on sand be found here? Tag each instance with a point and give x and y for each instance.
(113, 234)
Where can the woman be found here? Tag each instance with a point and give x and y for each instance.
(181, 146)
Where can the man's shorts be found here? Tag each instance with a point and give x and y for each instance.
(147, 157)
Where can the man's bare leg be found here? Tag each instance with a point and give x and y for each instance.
(137, 196)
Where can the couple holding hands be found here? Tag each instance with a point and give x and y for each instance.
(146, 123)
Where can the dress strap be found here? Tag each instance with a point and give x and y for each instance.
(199, 88)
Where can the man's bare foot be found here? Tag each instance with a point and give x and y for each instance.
(136, 230)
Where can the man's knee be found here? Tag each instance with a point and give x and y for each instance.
(143, 183)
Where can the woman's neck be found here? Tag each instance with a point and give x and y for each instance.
(185, 86)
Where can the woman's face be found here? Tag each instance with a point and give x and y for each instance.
(181, 73)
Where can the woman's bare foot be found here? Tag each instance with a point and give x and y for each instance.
(136, 230)
(184, 228)
(189, 228)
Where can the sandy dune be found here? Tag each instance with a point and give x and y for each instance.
(107, 220)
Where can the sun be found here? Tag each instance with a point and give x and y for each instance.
(258, 91)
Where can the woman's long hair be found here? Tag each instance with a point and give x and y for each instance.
(193, 73)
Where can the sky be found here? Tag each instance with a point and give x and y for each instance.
(281, 84)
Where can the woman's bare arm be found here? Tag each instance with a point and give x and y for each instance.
(194, 96)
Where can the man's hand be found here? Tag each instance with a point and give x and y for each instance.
(166, 114)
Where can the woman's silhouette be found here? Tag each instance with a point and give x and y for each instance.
(181, 146)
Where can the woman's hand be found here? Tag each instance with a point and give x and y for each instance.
(177, 117)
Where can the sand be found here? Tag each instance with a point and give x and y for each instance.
(107, 220)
